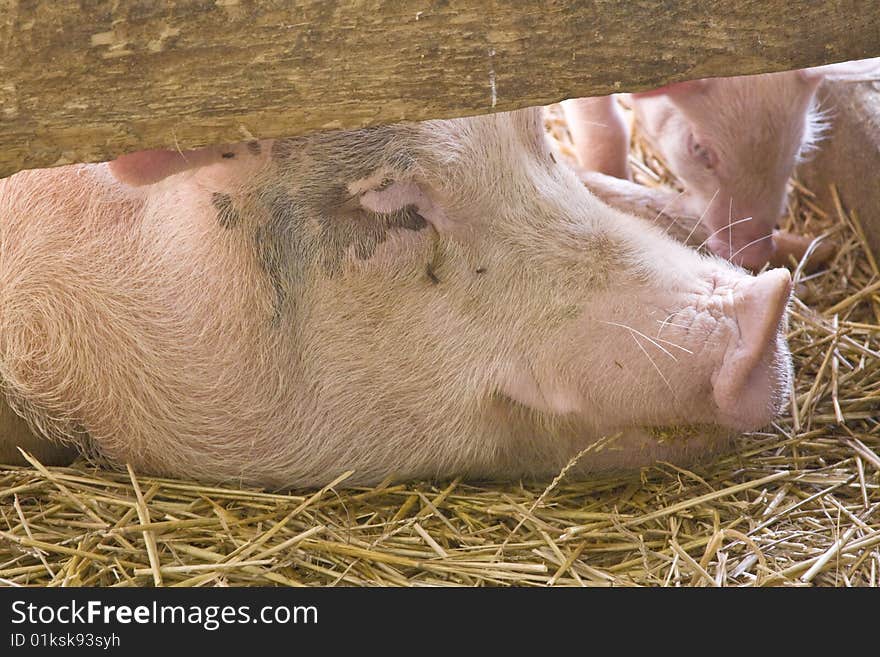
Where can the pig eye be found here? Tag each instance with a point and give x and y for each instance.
(701, 152)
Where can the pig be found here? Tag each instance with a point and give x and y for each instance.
(408, 301)
(732, 142)
(599, 134)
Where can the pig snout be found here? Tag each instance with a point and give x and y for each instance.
(750, 385)
(724, 357)
(739, 230)
(709, 351)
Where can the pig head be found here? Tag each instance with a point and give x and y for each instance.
(413, 300)
(733, 143)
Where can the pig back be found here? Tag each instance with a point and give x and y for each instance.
(130, 314)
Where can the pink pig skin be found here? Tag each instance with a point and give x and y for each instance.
(732, 142)
(419, 300)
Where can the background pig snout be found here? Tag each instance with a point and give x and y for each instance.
(749, 385)
(748, 244)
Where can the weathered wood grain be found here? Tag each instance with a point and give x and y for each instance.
(87, 80)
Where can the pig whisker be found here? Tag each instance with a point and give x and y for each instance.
(702, 216)
(648, 338)
(730, 232)
(666, 321)
(644, 351)
(666, 207)
(672, 344)
(743, 248)
(663, 325)
(727, 227)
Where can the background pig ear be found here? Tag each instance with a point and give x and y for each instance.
(674, 90)
(405, 195)
(860, 70)
(147, 167)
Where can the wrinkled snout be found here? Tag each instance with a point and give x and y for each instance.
(750, 386)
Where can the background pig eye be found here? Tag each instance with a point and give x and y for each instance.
(701, 152)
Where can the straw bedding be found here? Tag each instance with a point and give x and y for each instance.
(796, 505)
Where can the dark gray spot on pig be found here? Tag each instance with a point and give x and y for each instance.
(296, 236)
(362, 231)
(481, 270)
(228, 156)
(308, 220)
(282, 245)
(433, 265)
(271, 260)
(254, 147)
(227, 215)
(285, 149)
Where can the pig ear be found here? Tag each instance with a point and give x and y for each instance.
(150, 166)
(674, 90)
(394, 196)
(861, 70)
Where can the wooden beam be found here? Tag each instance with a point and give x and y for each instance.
(86, 80)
